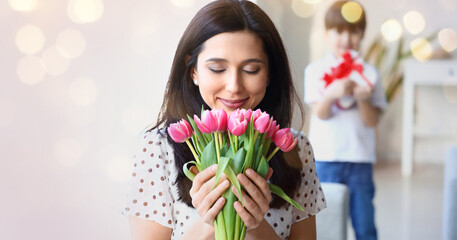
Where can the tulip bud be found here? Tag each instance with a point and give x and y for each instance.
(262, 122)
(285, 140)
(180, 131)
(237, 122)
(272, 130)
(221, 119)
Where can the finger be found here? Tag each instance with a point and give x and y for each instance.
(203, 177)
(259, 184)
(213, 211)
(253, 199)
(269, 174)
(205, 200)
(247, 218)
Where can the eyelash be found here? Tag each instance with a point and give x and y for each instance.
(220, 71)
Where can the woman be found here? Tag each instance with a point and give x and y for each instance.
(230, 56)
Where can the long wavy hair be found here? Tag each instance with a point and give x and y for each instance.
(182, 97)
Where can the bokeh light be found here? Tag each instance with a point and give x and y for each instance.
(115, 161)
(352, 12)
(55, 63)
(30, 39)
(68, 152)
(448, 39)
(8, 112)
(414, 22)
(23, 5)
(31, 70)
(84, 11)
(421, 49)
(70, 43)
(303, 9)
(183, 3)
(391, 30)
(83, 91)
(450, 89)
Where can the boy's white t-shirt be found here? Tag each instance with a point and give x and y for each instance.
(343, 136)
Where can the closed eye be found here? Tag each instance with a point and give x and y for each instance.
(216, 71)
(252, 72)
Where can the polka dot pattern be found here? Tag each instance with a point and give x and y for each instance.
(153, 192)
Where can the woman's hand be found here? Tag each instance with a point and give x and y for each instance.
(208, 202)
(256, 198)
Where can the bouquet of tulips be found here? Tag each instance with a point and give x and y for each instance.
(235, 143)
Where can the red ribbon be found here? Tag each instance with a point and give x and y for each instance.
(344, 69)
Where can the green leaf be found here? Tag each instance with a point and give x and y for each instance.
(221, 226)
(223, 162)
(232, 177)
(258, 156)
(229, 152)
(278, 191)
(208, 157)
(262, 170)
(238, 160)
(197, 132)
(224, 150)
(229, 213)
(187, 172)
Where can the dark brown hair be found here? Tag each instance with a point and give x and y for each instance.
(334, 19)
(182, 97)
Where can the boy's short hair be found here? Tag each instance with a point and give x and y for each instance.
(334, 19)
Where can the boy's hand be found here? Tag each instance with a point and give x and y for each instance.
(362, 93)
(339, 88)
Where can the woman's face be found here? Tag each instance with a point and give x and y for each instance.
(232, 71)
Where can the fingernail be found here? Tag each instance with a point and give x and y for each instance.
(221, 200)
(250, 171)
(214, 167)
(242, 177)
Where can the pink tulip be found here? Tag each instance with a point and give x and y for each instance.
(262, 122)
(285, 140)
(221, 119)
(272, 130)
(247, 114)
(256, 114)
(212, 121)
(180, 131)
(237, 122)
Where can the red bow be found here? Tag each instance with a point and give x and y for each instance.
(344, 69)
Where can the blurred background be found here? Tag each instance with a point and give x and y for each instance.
(80, 79)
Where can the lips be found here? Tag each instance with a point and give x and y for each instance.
(233, 103)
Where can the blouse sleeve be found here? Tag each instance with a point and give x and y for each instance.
(310, 195)
(149, 194)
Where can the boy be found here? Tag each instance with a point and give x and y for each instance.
(344, 138)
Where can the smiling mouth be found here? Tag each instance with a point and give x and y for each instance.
(233, 104)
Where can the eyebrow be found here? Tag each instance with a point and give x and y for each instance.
(250, 60)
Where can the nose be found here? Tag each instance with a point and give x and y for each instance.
(346, 38)
(234, 82)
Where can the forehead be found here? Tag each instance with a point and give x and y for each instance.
(241, 44)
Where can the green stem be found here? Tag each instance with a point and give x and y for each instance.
(272, 153)
(218, 154)
(230, 136)
(193, 151)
